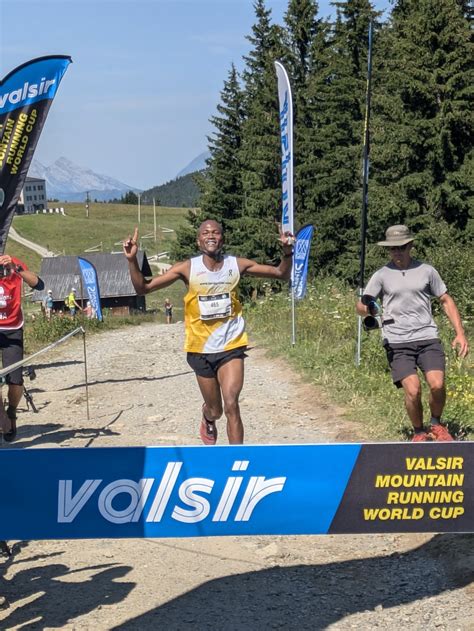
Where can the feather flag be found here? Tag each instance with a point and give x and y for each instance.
(26, 95)
(90, 282)
(286, 136)
(300, 260)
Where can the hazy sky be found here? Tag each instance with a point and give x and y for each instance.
(145, 79)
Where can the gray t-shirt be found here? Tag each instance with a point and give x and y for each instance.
(406, 299)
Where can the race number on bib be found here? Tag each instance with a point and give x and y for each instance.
(213, 307)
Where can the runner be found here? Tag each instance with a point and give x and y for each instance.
(215, 329)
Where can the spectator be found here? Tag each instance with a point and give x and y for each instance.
(71, 303)
(48, 304)
(12, 274)
(168, 311)
(89, 311)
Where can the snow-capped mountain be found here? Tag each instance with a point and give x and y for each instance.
(198, 164)
(67, 181)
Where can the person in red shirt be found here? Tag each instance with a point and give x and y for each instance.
(12, 274)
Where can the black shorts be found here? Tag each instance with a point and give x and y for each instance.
(404, 359)
(207, 364)
(11, 346)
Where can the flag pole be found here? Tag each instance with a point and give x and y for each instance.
(365, 187)
(285, 100)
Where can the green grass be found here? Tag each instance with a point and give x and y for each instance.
(326, 327)
(32, 260)
(106, 227)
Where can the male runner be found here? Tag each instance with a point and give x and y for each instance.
(215, 330)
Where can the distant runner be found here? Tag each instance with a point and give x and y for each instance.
(215, 329)
(410, 335)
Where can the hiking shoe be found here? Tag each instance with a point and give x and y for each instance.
(207, 430)
(420, 437)
(440, 433)
(11, 435)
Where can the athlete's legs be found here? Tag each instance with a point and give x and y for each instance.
(412, 388)
(231, 380)
(211, 393)
(435, 381)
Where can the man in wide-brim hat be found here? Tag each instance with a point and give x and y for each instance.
(410, 335)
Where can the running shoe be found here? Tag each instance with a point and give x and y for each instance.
(11, 435)
(440, 433)
(207, 430)
(420, 437)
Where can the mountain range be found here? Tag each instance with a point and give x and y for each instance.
(67, 181)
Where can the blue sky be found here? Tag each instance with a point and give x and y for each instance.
(145, 79)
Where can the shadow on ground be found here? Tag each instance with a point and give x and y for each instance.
(295, 597)
(53, 601)
(315, 596)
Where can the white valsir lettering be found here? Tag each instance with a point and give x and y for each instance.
(138, 492)
(257, 489)
(27, 91)
(187, 494)
(69, 505)
(164, 491)
(196, 507)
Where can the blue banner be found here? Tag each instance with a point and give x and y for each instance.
(90, 282)
(285, 100)
(26, 95)
(113, 492)
(300, 261)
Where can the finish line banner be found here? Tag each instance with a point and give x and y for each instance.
(118, 492)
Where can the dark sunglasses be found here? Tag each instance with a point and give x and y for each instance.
(396, 248)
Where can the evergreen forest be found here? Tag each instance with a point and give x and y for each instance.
(421, 129)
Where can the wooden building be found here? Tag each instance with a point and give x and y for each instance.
(61, 274)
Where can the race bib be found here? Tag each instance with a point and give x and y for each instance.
(214, 307)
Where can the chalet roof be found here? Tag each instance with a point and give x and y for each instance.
(61, 274)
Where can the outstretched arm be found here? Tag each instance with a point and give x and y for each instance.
(452, 312)
(281, 271)
(179, 271)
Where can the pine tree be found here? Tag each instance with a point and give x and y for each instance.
(222, 196)
(221, 185)
(302, 28)
(254, 234)
(337, 96)
(422, 144)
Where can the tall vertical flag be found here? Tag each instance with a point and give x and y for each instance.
(300, 261)
(26, 95)
(90, 282)
(286, 136)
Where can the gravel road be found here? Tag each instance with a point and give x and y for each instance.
(143, 393)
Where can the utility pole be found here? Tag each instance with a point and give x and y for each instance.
(87, 205)
(154, 218)
(139, 209)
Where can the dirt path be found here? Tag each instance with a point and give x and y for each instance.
(143, 393)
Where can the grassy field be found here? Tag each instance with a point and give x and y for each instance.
(326, 322)
(326, 327)
(106, 227)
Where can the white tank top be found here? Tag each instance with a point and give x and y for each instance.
(212, 311)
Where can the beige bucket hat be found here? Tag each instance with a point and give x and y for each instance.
(396, 235)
